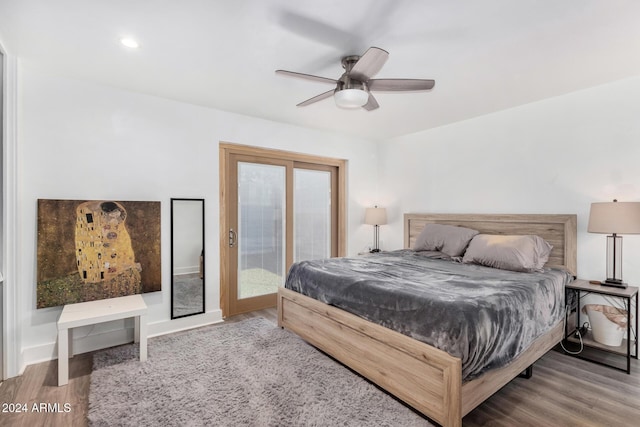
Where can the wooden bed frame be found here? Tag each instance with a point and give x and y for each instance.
(428, 379)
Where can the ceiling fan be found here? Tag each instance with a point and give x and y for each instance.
(353, 88)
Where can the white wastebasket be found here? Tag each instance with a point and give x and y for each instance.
(608, 323)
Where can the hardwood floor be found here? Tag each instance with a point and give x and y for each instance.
(564, 391)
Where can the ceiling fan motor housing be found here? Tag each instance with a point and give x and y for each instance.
(347, 82)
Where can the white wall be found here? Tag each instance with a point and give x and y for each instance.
(2, 84)
(84, 141)
(11, 324)
(554, 156)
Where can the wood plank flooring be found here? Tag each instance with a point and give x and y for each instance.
(564, 391)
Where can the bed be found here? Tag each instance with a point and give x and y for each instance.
(425, 377)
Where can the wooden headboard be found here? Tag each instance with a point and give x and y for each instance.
(559, 230)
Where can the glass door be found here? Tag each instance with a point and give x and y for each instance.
(314, 212)
(277, 210)
(257, 233)
(261, 229)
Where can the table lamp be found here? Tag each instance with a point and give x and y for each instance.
(614, 218)
(375, 216)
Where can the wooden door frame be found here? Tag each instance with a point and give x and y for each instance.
(226, 149)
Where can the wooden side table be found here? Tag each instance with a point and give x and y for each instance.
(92, 312)
(629, 296)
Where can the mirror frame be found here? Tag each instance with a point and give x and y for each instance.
(173, 200)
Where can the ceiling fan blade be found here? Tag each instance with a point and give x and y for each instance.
(306, 76)
(317, 98)
(371, 104)
(369, 64)
(316, 30)
(393, 85)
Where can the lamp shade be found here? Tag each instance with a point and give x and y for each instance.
(614, 217)
(351, 98)
(375, 216)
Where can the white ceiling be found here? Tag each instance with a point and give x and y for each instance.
(484, 55)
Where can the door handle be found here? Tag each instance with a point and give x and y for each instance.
(233, 238)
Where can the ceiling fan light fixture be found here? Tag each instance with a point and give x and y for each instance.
(129, 42)
(351, 98)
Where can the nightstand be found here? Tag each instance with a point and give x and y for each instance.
(629, 299)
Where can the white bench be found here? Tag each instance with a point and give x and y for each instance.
(92, 312)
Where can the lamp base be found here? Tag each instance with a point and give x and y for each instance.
(374, 250)
(616, 283)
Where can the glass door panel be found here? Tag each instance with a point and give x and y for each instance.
(312, 214)
(261, 229)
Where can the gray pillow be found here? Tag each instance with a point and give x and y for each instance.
(449, 239)
(517, 253)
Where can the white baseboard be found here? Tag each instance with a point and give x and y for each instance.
(114, 337)
(177, 271)
(184, 323)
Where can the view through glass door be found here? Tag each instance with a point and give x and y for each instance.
(279, 211)
(261, 228)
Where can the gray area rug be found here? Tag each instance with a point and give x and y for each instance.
(249, 373)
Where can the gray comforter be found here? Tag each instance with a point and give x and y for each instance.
(482, 315)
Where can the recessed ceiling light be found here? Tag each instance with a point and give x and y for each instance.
(129, 42)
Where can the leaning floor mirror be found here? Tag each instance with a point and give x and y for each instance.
(187, 257)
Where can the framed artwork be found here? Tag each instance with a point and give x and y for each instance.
(96, 249)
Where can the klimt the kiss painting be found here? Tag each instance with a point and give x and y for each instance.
(96, 249)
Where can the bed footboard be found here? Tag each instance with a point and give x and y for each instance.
(424, 377)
